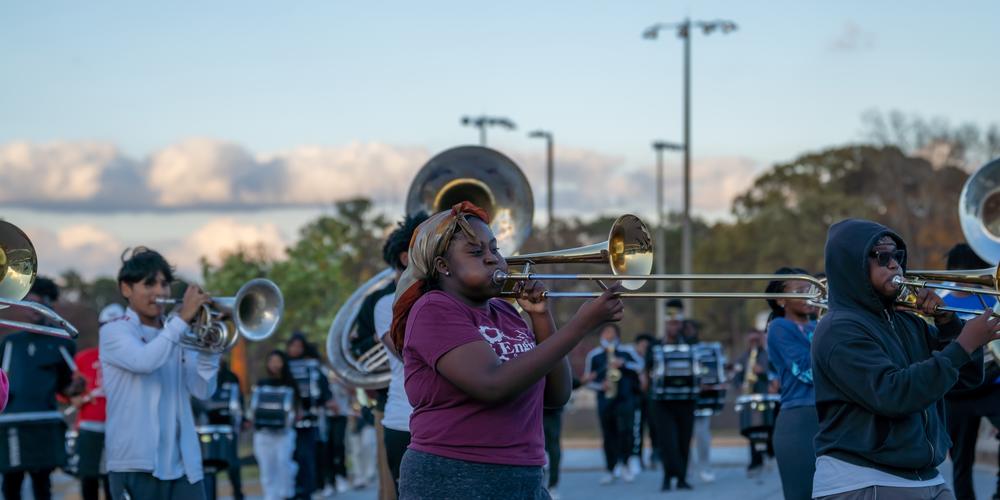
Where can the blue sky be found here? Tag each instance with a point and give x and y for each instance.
(364, 80)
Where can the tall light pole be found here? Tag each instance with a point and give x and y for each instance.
(543, 134)
(683, 30)
(483, 121)
(660, 245)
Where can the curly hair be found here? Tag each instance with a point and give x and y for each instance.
(399, 239)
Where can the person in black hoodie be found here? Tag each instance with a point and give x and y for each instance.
(881, 372)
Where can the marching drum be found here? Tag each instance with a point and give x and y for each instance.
(32, 440)
(217, 445)
(223, 408)
(306, 373)
(712, 378)
(675, 373)
(757, 413)
(271, 407)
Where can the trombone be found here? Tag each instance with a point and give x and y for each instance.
(628, 251)
(18, 268)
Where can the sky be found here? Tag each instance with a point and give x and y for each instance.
(193, 127)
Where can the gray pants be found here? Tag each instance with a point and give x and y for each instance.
(793, 447)
(424, 476)
(143, 486)
(703, 441)
(939, 492)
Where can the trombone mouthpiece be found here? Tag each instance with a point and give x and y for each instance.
(499, 277)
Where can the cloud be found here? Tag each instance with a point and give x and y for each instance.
(221, 236)
(852, 38)
(84, 247)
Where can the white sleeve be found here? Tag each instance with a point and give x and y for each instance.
(383, 315)
(201, 370)
(121, 349)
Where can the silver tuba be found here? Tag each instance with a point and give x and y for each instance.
(979, 214)
(254, 312)
(481, 175)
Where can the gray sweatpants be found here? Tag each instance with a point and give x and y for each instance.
(143, 486)
(939, 492)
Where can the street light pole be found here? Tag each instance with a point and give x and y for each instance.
(660, 245)
(483, 121)
(683, 29)
(549, 175)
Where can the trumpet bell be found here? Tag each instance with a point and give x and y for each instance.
(256, 308)
(18, 262)
(979, 211)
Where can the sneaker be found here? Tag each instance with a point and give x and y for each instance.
(607, 478)
(666, 484)
(342, 485)
(328, 491)
(627, 474)
(634, 465)
(617, 472)
(683, 485)
(553, 493)
(707, 476)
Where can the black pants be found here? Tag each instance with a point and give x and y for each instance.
(674, 424)
(143, 485)
(90, 487)
(305, 457)
(963, 426)
(41, 486)
(232, 470)
(336, 451)
(617, 418)
(758, 449)
(552, 426)
(794, 431)
(395, 445)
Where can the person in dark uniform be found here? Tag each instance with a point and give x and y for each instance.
(215, 413)
(751, 376)
(643, 341)
(672, 416)
(616, 399)
(314, 392)
(966, 408)
(32, 426)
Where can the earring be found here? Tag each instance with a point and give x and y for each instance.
(447, 273)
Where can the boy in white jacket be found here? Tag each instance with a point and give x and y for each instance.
(151, 444)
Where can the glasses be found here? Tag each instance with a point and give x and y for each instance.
(883, 258)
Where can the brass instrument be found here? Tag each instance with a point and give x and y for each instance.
(18, 269)
(254, 311)
(481, 175)
(613, 375)
(749, 375)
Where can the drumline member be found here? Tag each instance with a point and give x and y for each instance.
(965, 409)
(32, 429)
(396, 419)
(673, 416)
(228, 389)
(473, 372)
(616, 401)
(339, 408)
(151, 443)
(881, 373)
(643, 342)
(751, 377)
(314, 393)
(91, 416)
(274, 446)
(789, 336)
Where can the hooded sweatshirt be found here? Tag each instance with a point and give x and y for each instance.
(881, 374)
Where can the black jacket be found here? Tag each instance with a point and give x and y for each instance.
(881, 375)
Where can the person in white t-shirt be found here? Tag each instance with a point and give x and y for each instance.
(396, 420)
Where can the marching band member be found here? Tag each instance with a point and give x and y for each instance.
(751, 376)
(227, 381)
(474, 374)
(274, 448)
(881, 373)
(674, 418)
(616, 399)
(339, 409)
(314, 392)
(966, 408)
(151, 443)
(34, 443)
(396, 419)
(643, 342)
(789, 336)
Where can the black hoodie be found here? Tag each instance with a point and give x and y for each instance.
(880, 374)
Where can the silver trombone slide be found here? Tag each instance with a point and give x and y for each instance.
(64, 328)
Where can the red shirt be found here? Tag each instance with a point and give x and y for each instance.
(89, 364)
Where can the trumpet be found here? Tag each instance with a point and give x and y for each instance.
(255, 312)
(18, 268)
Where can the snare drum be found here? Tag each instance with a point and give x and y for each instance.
(217, 445)
(271, 407)
(712, 378)
(757, 413)
(32, 440)
(675, 373)
(223, 408)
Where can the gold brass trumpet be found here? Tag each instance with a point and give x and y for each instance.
(18, 268)
(255, 312)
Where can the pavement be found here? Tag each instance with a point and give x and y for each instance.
(583, 467)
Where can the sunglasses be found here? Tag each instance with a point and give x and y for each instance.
(884, 258)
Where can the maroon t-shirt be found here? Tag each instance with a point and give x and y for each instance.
(450, 423)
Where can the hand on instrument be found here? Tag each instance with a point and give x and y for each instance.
(531, 296)
(194, 298)
(618, 362)
(929, 304)
(979, 331)
(607, 307)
